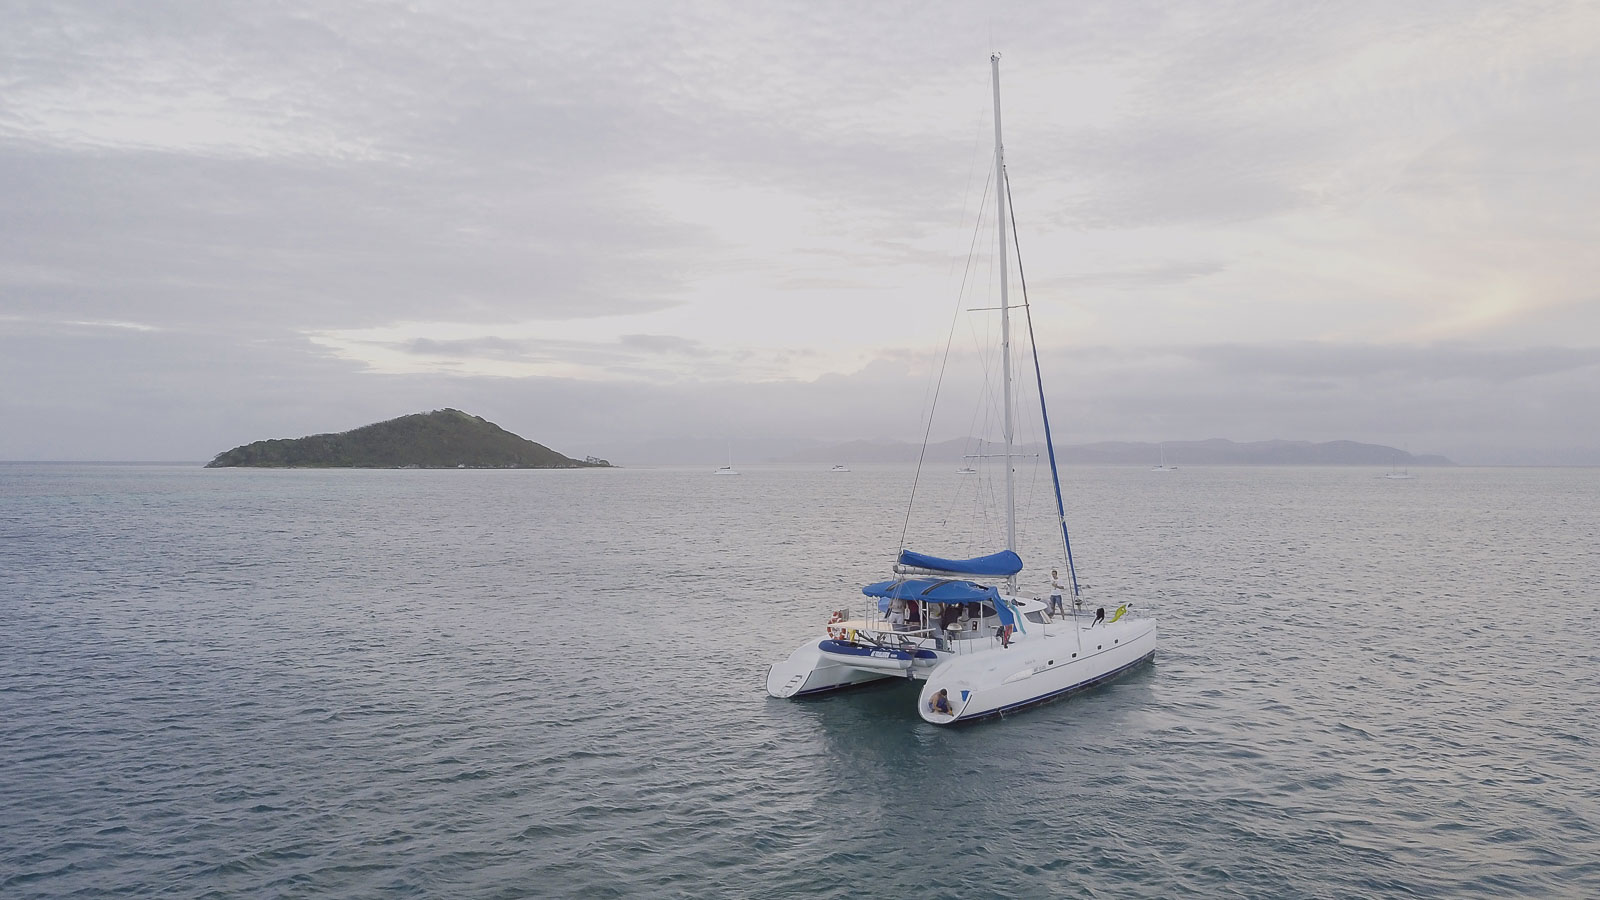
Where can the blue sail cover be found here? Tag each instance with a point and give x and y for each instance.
(1002, 564)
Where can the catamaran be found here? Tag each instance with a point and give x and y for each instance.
(959, 625)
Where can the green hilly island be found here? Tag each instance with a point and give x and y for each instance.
(442, 439)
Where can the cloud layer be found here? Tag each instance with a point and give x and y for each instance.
(630, 220)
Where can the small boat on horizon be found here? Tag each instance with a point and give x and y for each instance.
(727, 469)
(1398, 471)
(1163, 467)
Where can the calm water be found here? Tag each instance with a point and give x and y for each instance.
(503, 684)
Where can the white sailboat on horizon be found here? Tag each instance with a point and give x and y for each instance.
(728, 469)
(990, 651)
(1401, 473)
(1163, 467)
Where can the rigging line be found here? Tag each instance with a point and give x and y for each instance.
(966, 200)
(966, 289)
(981, 352)
(977, 535)
(938, 385)
(977, 148)
(986, 351)
(1044, 412)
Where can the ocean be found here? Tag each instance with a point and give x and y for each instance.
(490, 684)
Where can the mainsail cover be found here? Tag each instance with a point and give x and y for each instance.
(999, 565)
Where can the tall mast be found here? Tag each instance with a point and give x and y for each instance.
(1005, 316)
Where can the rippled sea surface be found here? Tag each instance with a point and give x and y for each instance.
(503, 684)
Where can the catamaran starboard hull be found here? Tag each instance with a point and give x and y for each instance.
(1036, 671)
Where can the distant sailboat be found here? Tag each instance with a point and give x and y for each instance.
(1398, 474)
(728, 469)
(840, 468)
(1163, 467)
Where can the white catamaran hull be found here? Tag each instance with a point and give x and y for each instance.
(983, 678)
(809, 671)
(1035, 671)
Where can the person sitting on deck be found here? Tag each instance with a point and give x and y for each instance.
(950, 616)
(913, 614)
(941, 703)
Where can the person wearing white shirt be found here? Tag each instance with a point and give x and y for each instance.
(1055, 594)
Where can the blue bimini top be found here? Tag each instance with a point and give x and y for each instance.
(940, 590)
(932, 590)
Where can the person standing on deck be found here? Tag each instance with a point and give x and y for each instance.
(897, 613)
(1055, 594)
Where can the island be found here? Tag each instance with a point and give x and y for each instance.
(442, 439)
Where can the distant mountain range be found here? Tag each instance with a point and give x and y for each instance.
(1214, 452)
(442, 439)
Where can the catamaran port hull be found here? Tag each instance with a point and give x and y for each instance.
(809, 671)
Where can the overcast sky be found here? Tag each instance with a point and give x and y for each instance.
(603, 224)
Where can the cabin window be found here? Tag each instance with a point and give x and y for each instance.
(1036, 617)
